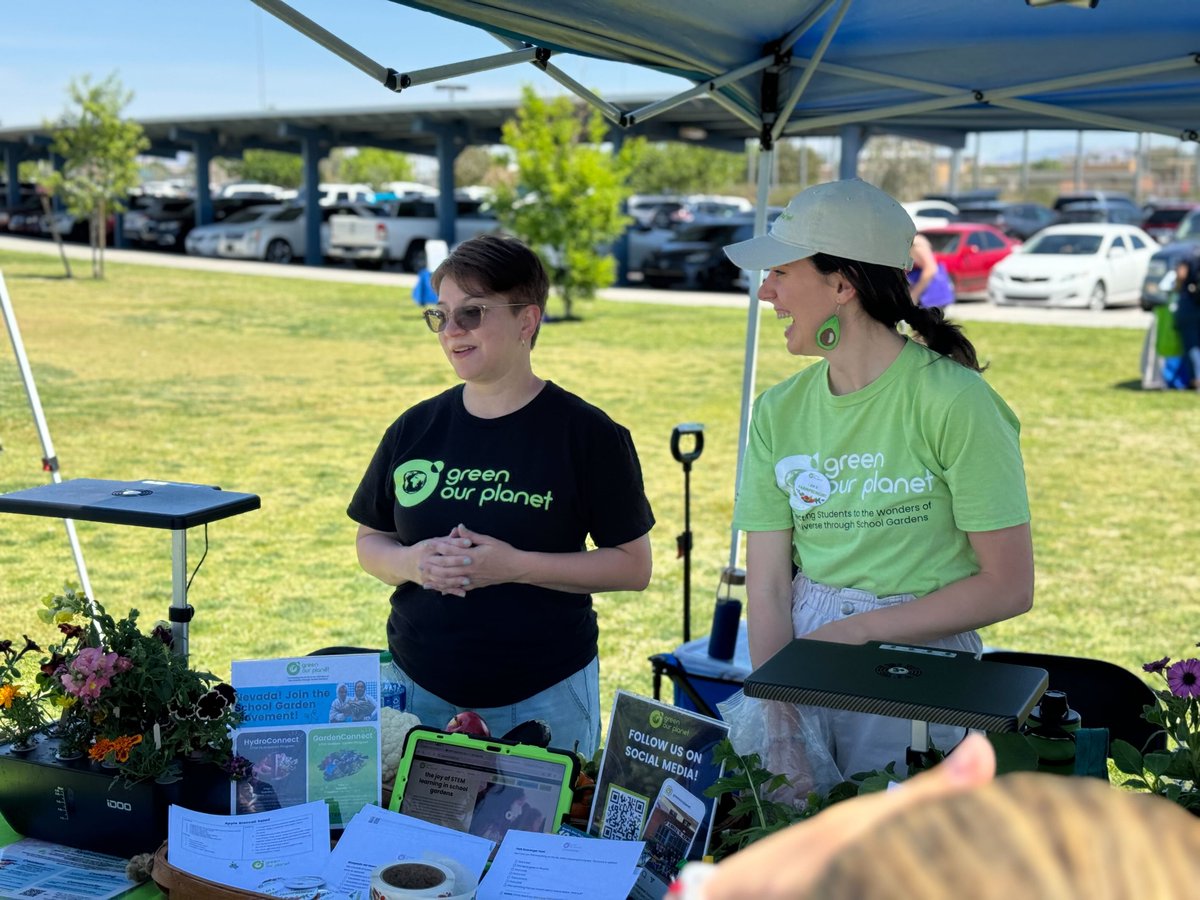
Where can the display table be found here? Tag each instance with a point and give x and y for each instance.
(169, 505)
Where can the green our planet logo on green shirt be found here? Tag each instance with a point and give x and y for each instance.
(416, 480)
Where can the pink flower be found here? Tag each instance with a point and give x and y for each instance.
(1184, 678)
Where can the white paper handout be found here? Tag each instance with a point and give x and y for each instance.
(33, 868)
(253, 851)
(376, 836)
(532, 866)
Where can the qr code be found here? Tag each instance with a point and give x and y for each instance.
(624, 813)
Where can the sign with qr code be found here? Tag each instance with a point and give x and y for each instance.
(658, 761)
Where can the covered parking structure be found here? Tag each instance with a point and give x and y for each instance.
(441, 131)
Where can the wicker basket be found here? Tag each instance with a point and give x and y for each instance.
(185, 886)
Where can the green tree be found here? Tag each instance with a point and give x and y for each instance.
(674, 168)
(370, 165)
(569, 189)
(480, 165)
(99, 156)
(267, 167)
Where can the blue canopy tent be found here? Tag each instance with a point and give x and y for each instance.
(936, 69)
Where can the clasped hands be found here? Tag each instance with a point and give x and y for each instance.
(464, 560)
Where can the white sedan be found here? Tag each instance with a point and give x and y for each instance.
(205, 240)
(281, 236)
(1091, 266)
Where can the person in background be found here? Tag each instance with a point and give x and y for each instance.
(478, 506)
(887, 477)
(928, 279)
(1187, 311)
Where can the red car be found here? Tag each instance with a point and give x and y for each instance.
(968, 251)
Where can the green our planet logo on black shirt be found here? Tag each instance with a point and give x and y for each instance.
(416, 480)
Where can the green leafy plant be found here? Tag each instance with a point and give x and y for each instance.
(120, 695)
(1173, 773)
(748, 812)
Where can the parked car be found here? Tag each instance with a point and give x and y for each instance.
(1160, 273)
(931, 213)
(1098, 211)
(75, 228)
(1162, 221)
(15, 218)
(330, 193)
(282, 236)
(140, 225)
(170, 228)
(1019, 220)
(206, 240)
(1097, 206)
(400, 232)
(694, 259)
(968, 251)
(1083, 265)
(674, 213)
(668, 215)
(642, 207)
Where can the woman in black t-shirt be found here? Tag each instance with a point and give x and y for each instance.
(478, 505)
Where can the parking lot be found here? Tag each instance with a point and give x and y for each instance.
(1121, 317)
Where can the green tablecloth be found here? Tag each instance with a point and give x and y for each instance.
(148, 890)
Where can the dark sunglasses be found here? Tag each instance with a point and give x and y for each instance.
(468, 317)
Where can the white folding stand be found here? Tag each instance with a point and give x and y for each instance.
(49, 458)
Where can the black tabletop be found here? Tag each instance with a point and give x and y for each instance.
(148, 503)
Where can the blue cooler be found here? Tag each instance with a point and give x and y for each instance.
(700, 681)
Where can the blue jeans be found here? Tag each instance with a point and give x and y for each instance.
(571, 708)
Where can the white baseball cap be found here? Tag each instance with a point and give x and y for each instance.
(849, 219)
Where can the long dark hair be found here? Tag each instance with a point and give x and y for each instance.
(884, 295)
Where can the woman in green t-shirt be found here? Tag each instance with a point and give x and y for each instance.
(882, 492)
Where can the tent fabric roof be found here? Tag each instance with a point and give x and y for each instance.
(963, 65)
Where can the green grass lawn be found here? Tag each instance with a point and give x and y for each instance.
(282, 388)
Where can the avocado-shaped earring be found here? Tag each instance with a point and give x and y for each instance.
(829, 333)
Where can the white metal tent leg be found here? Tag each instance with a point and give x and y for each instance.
(751, 359)
(49, 459)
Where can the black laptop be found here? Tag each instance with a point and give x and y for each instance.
(945, 687)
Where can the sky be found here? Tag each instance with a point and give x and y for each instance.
(213, 57)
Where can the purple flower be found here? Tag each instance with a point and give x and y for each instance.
(1184, 678)
(1157, 665)
(239, 768)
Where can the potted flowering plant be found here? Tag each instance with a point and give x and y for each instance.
(119, 695)
(1173, 773)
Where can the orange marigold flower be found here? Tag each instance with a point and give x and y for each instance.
(100, 749)
(124, 744)
(9, 693)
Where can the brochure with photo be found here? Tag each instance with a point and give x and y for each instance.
(311, 732)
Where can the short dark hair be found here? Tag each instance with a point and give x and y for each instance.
(500, 265)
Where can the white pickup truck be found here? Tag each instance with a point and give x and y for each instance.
(400, 238)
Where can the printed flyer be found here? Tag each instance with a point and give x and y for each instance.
(311, 732)
(658, 760)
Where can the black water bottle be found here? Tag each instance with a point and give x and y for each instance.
(1050, 730)
(727, 616)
